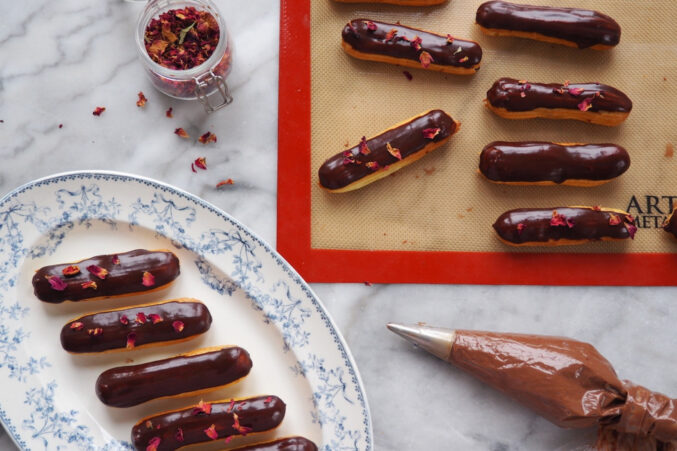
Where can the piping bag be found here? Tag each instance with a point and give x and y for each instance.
(566, 381)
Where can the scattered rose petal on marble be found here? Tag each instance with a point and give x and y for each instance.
(223, 183)
(208, 137)
(142, 100)
(181, 133)
(98, 110)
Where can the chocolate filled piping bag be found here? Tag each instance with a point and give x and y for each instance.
(566, 381)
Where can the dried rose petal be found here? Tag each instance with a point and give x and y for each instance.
(450, 39)
(131, 340)
(231, 406)
(570, 223)
(523, 94)
(431, 133)
(90, 284)
(391, 34)
(94, 332)
(631, 230)
(124, 320)
(520, 228)
(178, 326)
(371, 26)
(614, 219)
(141, 318)
(244, 430)
(60, 125)
(168, 113)
(416, 43)
(566, 83)
(202, 407)
(153, 444)
(597, 208)
(408, 75)
(464, 59)
(98, 271)
(224, 183)
(98, 110)
(394, 151)
(373, 165)
(229, 438)
(179, 435)
(201, 163)
(364, 148)
(71, 270)
(557, 219)
(211, 432)
(268, 400)
(149, 424)
(77, 325)
(181, 133)
(575, 91)
(521, 81)
(115, 260)
(630, 219)
(586, 104)
(155, 318)
(142, 100)
(192, 167)
(56, 283)
(208, 137)
(425, 58)
(148, 279)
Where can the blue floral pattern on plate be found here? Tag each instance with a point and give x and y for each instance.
(36, 218)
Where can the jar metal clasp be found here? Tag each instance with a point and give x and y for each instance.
(205, 81)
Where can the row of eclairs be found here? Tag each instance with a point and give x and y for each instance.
(536, 162)
(194, 373)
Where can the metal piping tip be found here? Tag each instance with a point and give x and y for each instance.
(436, 340)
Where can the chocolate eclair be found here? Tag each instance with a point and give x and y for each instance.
(136, 327)
(588, 102)
(206, 422)
(283, 444)
(547, 163)
(572, 27)
(411, 47)
(563, 225)
(186, 374)
(105, 276)
(670, 224)
(377, 157)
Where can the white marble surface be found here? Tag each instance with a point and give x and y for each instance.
(62, 59)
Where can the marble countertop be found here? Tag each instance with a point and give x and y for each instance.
(62, 59)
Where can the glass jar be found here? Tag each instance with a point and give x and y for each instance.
(206, 82)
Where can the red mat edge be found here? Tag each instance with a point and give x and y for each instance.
(326, 265)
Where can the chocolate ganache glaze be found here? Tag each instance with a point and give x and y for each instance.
(399, 41)
(507, 93)
(566, 381)
(338, 171)
(172, 430)
(545, 161)
(134, 327)
(670, 225)
(541, 225)
(125, 274)
(583, 27)
(285, 444)
(126, 386)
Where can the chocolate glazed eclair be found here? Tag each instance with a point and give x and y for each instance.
(411, 47)
(388, 152)
(208, 421)
(588, 102)
(547, 163)
(105, 276)
(572, 27)
(136, 327)
(563, 225)
(186, 374)
(284, 444)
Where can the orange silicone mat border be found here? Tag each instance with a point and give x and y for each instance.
(326, 265)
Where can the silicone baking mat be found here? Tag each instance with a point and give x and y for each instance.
(431, 222)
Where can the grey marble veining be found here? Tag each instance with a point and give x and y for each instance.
(62, 59)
